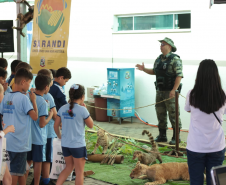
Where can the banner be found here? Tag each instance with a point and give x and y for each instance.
(50, 34)
(58, 163)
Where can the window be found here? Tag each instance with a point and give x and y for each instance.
(154, 22)
(125, 23)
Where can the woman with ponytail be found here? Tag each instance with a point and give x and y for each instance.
(74, 116)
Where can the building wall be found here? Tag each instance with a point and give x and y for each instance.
(96, 46)
(93, 46)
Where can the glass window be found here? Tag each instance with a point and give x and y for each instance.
(125, 23)
(155, 22)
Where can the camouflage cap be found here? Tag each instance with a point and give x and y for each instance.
(170, 42)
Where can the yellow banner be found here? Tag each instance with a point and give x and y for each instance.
(50, 34)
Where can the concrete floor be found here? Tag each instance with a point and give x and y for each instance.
(135, 129)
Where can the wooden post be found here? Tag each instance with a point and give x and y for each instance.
(177, 120)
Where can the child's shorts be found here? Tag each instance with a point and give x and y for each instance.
(49, 150)
(75, 152)
(37, 153)
(17, 163)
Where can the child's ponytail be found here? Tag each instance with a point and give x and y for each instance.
(71, 95)
(76, 91)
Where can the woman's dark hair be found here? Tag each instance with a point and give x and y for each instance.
(207, 94)
(75, 94)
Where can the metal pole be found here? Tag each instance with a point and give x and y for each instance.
(18, 32)
(20, 8)
(177, 120)
(2, 54)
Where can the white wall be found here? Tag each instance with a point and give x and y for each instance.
(92, 45)
(91, 40)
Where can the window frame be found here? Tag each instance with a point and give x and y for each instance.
(116, 24)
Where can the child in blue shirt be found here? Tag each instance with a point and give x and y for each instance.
(62, 76)
(7, 179)
(19, 66)
(17, 110)
(3, 74)
(74, 117)
(39, 135)
(49, 130)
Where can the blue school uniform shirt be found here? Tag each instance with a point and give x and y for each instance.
(30, 139)
(15, 108)
(73, 128)
(39, 136)
(58, 95)
(50, 126)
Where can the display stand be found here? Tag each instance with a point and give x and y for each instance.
(120, 93)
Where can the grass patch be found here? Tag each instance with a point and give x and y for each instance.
(119, 173)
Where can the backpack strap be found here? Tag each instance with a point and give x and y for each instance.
(217, 117)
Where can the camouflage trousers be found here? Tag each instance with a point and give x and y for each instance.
(163, 108)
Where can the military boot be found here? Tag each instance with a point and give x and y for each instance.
(173, 140)
(162, 136)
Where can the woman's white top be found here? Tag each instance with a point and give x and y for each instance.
(206, 135)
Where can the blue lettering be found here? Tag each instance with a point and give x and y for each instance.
(58, 43)
(34, 43)
(5, 106)
(68, 117)
(54, 43)
(38, 44)
(48, 45)
(43, 43)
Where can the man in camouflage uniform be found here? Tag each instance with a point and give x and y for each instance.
(168, 71)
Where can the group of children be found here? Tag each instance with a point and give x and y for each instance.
(32, 119)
